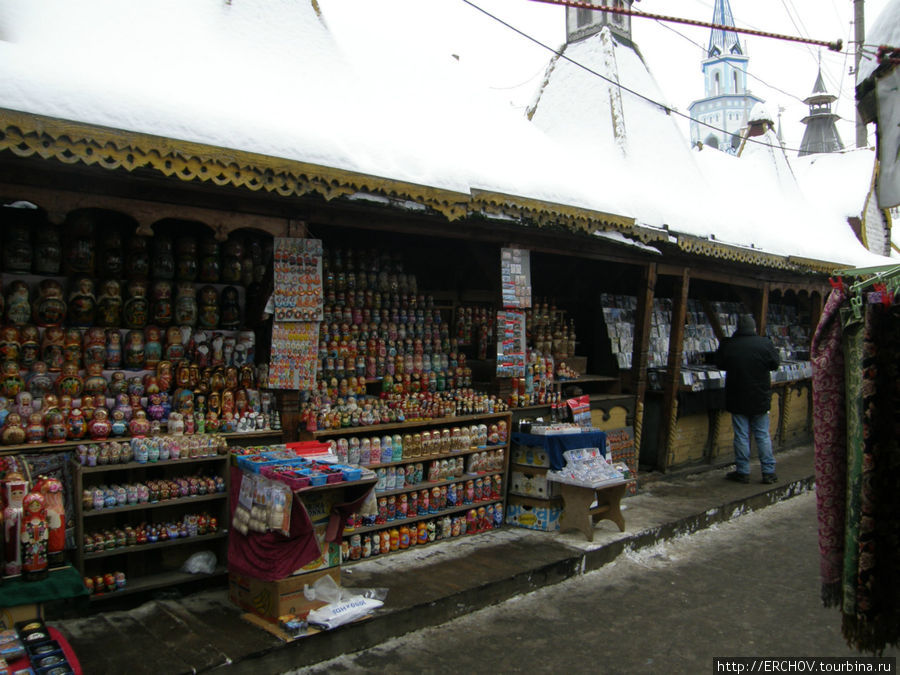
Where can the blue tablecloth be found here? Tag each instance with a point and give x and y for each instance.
(556, 445)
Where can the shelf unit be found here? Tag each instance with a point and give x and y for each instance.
(153, 564)
(458, 510)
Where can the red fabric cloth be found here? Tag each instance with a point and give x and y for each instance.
(273, 556)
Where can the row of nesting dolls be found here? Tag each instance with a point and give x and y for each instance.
(164, 305)
(141, 349)
(167, 377)
(39, 250)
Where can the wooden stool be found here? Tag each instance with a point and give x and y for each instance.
(577, 512)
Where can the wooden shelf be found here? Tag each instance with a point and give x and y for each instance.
(417, 545)
(409, 424)
(181, 501)
(153, 581)
(425, 516)
(428, 458)
(428, 485)
(181, 461)
(141, 548)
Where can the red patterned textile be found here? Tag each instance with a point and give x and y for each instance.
(830, 438)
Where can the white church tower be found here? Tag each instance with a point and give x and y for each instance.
(718, 118)
(582, 23)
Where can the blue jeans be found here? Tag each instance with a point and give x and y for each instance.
(758, 425)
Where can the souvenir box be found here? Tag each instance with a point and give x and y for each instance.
(534, 514)
(271, 599)
(531, 482)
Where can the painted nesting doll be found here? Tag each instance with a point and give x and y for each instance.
(109, 304)
(34, 535)
(18, 303)
(208, 310)
(82, 307)
(136, 309)
(49, 308)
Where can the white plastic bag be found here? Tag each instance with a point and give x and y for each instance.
(203, 562)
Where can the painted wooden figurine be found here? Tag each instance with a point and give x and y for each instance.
(15, 487)
(52, 489)
(34, 534)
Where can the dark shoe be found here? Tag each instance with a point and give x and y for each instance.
(769, 478)
(738, 477)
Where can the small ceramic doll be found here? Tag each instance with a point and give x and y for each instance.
(134, 350)
(152, 346)
(34, 533)
(50, 308)
(18, 303)
(15, 488)
(109, 304)
(82, 306)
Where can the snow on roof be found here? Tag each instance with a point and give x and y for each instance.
(840, 181)
(884, 30)
(267, 76)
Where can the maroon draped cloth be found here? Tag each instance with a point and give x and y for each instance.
(830, 439)
(272, 556)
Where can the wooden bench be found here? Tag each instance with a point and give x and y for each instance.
(580, 514)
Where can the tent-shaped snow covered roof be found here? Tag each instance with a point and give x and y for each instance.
(257, 94)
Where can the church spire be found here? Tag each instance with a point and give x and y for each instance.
(821, 133)
(723, 42)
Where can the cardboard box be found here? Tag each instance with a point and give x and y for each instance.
(529, 455)
(10, 615)
(271, 599)
(534, 514)
(531, 482)
(319, 505)
(330, 552)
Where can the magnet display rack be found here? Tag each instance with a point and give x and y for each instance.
(420, 426)
(158, 564)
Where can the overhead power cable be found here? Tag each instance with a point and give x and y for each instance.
(833, 46)
(665, 108)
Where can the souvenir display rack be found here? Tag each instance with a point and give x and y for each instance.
(441, 522)
(149, 564)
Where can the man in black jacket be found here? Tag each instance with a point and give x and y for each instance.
(747, 359)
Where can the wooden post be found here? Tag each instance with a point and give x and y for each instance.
(673, 370)
(640, 348)
(762, 309)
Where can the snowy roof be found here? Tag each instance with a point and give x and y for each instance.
(884, 30)
(267, 77)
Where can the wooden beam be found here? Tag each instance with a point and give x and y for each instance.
(640, 348)
(673, 368)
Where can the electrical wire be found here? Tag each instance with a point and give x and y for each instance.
(665, 108)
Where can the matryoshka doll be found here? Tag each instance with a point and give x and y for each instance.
(175, 350)
(47, 250)
(40, 382)
(11, 382)
(34, 534)
(138, 257)
(136, 309)
(186, 305)
(55, 422)
(152, 346)
(15, 488)
(95, 383)
(208, 309)
(99, 427)
(76, 425)
(52, 348)
(18, 303)
(13, 432)
(162, 306)
(94, 347)
(50, 308)
(209, 260)
(118, 384)
(52, 490)
(69, 383)
(72, 346)
(113, 350)
(118, 425)
(139, 426)
(164, 375)
(10, 346)
(34, 430)
(109, 304)
(111, 255)
(233, 253)
(186, 258)
(162, 265)
(230, 309)
(134, 350)
(30, 345)
(82, 302)
(17, 250)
